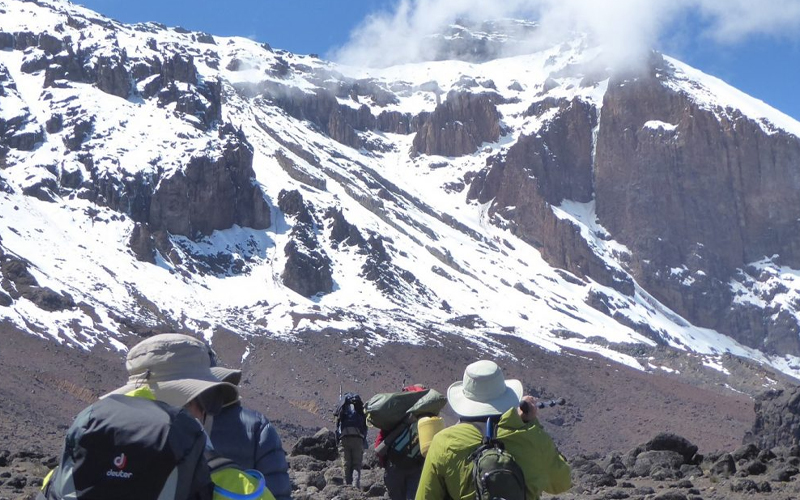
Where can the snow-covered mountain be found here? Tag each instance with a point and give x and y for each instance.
(155, 179)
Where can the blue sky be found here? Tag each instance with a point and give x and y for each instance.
(754, 46)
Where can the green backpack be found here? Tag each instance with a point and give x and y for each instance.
(494, 471)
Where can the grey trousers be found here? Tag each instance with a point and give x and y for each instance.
(352, 448)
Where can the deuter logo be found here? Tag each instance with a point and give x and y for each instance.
(120, 462)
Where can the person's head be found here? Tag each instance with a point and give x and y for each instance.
(177, 370)
(483, 392)
(204, 406)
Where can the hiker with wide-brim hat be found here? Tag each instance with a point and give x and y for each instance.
(175, 368)
(484, 394)
(147, 439)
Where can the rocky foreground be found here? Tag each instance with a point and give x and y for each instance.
(668, 467)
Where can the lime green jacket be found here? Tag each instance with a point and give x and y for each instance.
(448, 471)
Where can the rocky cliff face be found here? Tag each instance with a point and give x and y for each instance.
(539, 172)
(777, 419)
(683, 187)
(695, 189)
(211, 193)
(459, 125)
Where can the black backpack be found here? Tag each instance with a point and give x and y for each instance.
(494, 471)
(130, 448)
(350, 417)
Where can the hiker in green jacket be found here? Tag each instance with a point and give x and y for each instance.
(482, 394)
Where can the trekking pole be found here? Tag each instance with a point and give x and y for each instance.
(551, 403)
(523, 405)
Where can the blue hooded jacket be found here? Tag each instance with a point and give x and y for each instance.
(247, 437)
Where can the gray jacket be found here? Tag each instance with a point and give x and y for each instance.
(246, 437)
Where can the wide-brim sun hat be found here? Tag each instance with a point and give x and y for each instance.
(176, 368)
(483, 391)
(230, 375)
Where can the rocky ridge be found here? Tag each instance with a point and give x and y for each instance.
(667, 467)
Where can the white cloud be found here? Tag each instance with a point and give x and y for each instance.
(732, 20)
(627, 29)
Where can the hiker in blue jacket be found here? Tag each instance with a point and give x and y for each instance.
(247, 437)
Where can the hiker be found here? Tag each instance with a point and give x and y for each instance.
(248, 438)
(483, 395)
(138, 432)
(351, 435)
(400, 476)
(174, 360)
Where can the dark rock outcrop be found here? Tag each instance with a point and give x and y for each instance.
(131, 195)
(211, 193)
(112, 76)
(394, 122)
(725, 466)
(673, 443)
(459, 125)
(321, 446)
(142, 244)
(18, 282)
(340, 122)
(292, 203)
(44, 189)
(308, 268)
(777, 419)
(342, 231)
(323, 110)
(179, 68)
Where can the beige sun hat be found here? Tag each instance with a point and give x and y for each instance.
(483, 391)
(228, 375)
(176, 368)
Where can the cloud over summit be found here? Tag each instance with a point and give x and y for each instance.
(627, 29)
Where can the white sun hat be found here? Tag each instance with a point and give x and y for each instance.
(484, 391)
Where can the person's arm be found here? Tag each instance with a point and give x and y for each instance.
(271, 461)
(559, 479)
(549, 467)
(557, 470)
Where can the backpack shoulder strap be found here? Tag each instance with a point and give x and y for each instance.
(488, 430)
(218, 462)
